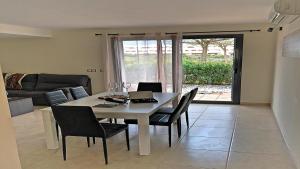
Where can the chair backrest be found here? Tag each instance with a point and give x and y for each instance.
(150, 86)
(56, 98)
(78, 92)
(77, 121)
(192, 96)
(180, 107)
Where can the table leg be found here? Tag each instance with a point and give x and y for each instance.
(50, 129)
(144, 135)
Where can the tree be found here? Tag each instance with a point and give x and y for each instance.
(204, 43)
(223, 44)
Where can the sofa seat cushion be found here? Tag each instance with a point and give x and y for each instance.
(24, 93)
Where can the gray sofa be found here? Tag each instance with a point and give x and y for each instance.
(36, 85)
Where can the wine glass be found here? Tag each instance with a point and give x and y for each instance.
(126, 85)
(110, 88)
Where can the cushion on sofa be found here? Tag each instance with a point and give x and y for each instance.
(54, 81)
(24, 93)
(14, 81)
(29, 82)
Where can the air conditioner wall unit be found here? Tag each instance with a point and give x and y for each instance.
(285, 12)
(287, 7)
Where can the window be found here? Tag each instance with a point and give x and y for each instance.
(148, 60)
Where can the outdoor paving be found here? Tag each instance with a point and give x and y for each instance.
(210, 92)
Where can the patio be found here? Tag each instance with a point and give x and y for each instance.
(210, 92)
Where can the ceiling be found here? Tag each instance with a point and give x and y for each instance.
(125, 13)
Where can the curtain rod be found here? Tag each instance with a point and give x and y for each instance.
(172, 33)
(236, 31)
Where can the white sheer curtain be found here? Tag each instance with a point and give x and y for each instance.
(113, 61)
(148, 58)
(177, 71)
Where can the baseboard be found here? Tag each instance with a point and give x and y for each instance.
(255, 104)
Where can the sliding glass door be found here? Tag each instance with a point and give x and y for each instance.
(213, 65)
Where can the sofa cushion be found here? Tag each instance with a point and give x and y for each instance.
(30, 78)
(29, 82)
(14, 81)
(54, 81)
(24, 93)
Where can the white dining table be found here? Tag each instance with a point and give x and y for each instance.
(139, 111)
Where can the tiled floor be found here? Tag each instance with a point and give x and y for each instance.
(220, 137)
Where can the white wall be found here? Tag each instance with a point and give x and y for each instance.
(9, 158)
(74, 51)
(258, 67)
(67, 52)
(286, 96)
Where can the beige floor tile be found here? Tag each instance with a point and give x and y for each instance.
(192, 115)
(255, 132)
(215, 123)
(221, 109)
(258, 141)
(183, 121)
(257, 123)
(255, 114)
(204, 143)
(178, 166)
(196, 158)
(258, 161)
(197, 108)
(210, 132)
(248, 110)
(217, 116)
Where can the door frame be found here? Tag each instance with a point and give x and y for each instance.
(237, 65)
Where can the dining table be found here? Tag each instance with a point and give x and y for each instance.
(139, 111)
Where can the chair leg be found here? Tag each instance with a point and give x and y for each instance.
(105, 150)
(116, 121)
(94, 140)
(88, 141)
(179, 127)
(57, 130)
(110, 120)
(187, 119)
(127, 139)
(170, 135)
(64, 147)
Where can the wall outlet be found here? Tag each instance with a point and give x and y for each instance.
(91, 70)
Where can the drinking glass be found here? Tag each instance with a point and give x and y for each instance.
(126, 85)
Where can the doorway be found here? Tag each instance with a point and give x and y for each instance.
(213, 64)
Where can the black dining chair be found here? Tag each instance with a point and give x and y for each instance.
(186, 109)
(81, 121)
(169, 110)
(167, 119)
(78, 92)
(150, 86)
(56, 98)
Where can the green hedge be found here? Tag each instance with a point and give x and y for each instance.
(215, 73)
